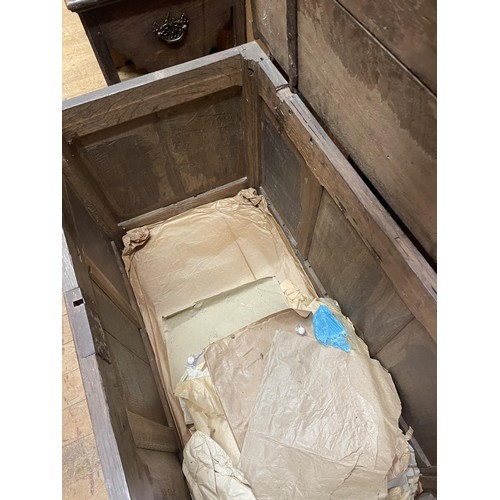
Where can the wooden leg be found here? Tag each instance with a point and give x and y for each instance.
(99, 46)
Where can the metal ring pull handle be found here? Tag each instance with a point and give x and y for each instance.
(172, 30)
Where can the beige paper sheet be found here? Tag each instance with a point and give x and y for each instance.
(192, 330)
(324, 424)
(202, 253)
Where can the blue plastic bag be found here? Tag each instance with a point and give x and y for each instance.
(328, 330)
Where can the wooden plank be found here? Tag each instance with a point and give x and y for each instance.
(239, 22)
(411, 359)
(318, 286)
(136, 382)
(117, 324)
(413, 278)
(270, 24)
(98, 43)
(166, 475)
(129, 164)
(138, 483)
(150, 93)
(407, 29)
(101, 423)
(382, 114)
(428, 479)
(292, 43)
(103, 386)
(289, 183)
(151, 435)
(81, 5)
(82, 228)
(353, 277)
(252, 122)
(87, 340)
(230, 189)
(100, 279)
(89, 195)
(147, 344)
(162, 159)
(205, 140)
(68, 273)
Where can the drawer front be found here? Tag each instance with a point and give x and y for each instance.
(210, 26)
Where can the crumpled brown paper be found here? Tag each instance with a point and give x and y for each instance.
(324, 424)
(236, 364)
(134, 239)
(210, 473)
(204, 406)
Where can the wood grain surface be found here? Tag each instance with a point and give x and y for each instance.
(289, 183)
(384, 117)
(150, 93)
(161, 159)
(411, 359)
(412, 276)
(406, 28)
(374, 106)
(80, 70)
(82, 476)
(352, 276)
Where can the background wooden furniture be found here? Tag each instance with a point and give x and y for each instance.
(121, 31)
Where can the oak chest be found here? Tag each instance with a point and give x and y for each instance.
(309, 128)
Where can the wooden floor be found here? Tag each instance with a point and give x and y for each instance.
(81, 72)
(82, 476)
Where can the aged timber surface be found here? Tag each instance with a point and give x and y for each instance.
(160, 159)
(378, 110)
(412, 360)
(374, 106)
(82, 476)
(406, 28)
(353, 277)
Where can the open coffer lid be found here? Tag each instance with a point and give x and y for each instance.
(368, 71)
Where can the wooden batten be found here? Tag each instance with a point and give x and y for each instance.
(251, 120)
(292, 44)
(230, 189)
(151, 93)
(150, 435)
